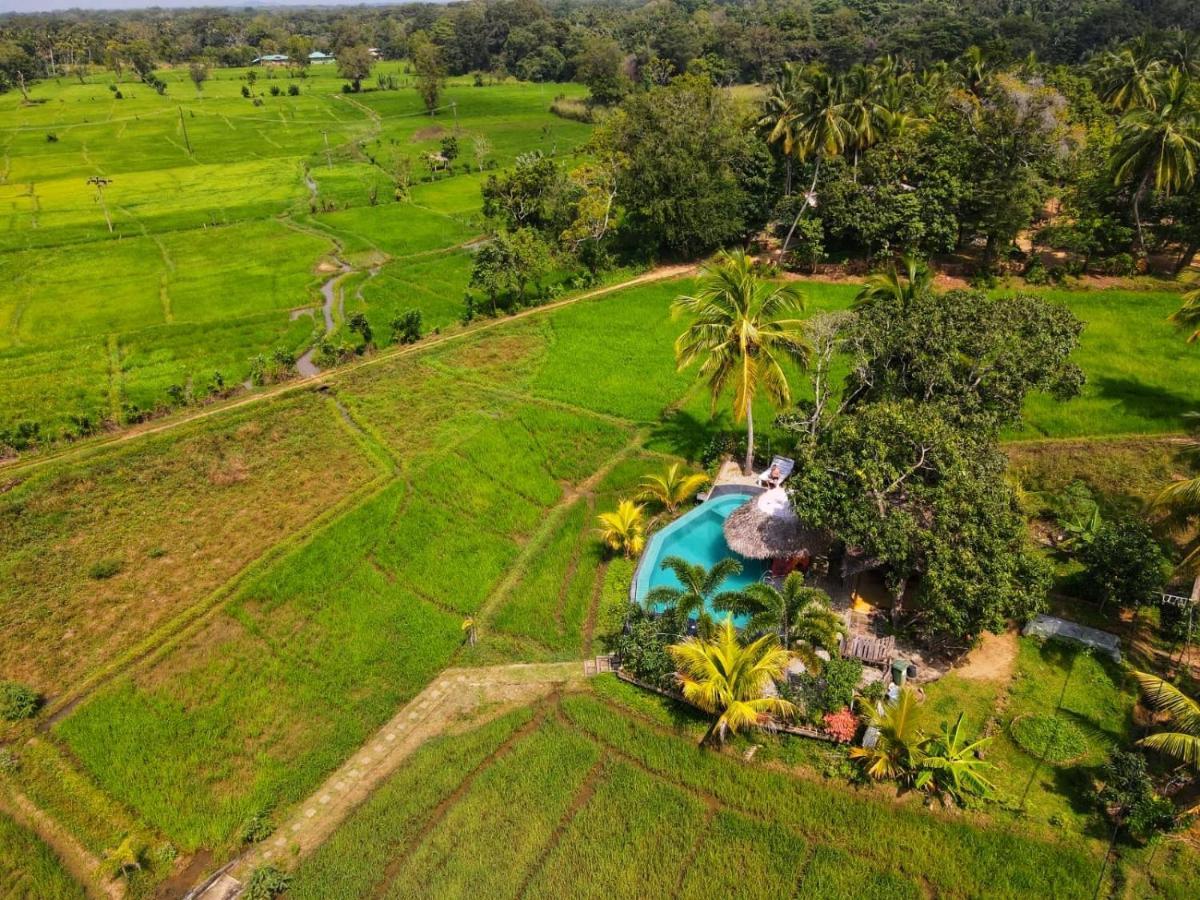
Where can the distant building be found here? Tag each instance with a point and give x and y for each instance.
(318, 58)
(271, 59)
(375, 52)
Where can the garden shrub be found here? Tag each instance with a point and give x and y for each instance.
(841, 725)
(293, 90)
(1049, 738)
(1035, 272)
(1124, 564)
(266, 882)
(829, 690)
(17, 701)
(1129, 797)
(642, 649)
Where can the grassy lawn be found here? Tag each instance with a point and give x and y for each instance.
(29, 870)
(630, 809)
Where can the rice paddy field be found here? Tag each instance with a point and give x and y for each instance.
(220, 611)
(203, 248)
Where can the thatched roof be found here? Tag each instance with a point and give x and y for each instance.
(766, 527)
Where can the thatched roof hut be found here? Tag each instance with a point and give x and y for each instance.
(766, 527)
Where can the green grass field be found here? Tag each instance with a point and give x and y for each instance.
(29, 870)
(199, 253)
(596, 801)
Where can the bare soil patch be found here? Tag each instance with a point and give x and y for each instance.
(994, 659)
(428, 133)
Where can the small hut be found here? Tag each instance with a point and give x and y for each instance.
(766, 527)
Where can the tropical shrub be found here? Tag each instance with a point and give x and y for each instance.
(841, 725)
(406, 327)
(829, 690)
(17, 701)
(672, 488)
(624, 529)
(642, 650)
(727, 679)
(896, 751)
(265, 883)
(950, 765)
(1124, 564)
(1182, 742)
(1050, 738)
(257, 828)
(1129, 799)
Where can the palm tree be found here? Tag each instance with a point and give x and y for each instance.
(1180, 499)
(897, 751)
(1183, 743)
(1126, 79)
(891, 286)
(727, 679)
(950, 764)
(779, 121)
(743, 328)
(1188, 314)
(671, 488)
(796, 612)
(624, 529)
(1159, 144)
(818, 117)
(701, 588)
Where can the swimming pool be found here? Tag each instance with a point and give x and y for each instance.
(699, 537)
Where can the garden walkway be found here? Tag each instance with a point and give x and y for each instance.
(456, 699)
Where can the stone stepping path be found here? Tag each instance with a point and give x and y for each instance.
(445, 702)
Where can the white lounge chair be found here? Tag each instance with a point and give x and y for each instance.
(777, 472)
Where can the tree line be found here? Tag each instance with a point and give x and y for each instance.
(739, 41)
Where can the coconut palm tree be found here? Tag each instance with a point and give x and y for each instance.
(779, 121)
(897, 752)
(1188, 314)
(951, 766)
(1183, 743)
(1180, 499)
(1158, 144)
(809, 109)
(795, 612)
(890, 286)
(743, 329)
(700, 589)
(729, 680)
(671, 488)
(1126, 78)
(624, 529)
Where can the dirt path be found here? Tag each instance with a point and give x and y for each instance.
(455, 699)
(76, 859)
(995, 659)
(19, 464)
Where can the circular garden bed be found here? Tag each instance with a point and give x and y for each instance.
(1049, 738)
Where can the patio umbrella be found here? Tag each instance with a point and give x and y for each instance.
(766, 527)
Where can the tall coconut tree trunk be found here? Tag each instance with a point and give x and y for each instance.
(803, 209)
(1185, 259)
(749, 436)
(1137, 215)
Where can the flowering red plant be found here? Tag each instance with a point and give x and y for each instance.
(841, 725)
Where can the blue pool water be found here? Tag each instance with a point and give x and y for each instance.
(698, 537)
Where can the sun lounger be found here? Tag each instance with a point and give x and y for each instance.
(777, 472)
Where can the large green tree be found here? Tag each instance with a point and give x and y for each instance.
(925, 500)
(977, 355)
(681, 149)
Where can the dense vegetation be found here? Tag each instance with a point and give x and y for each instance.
(199, 623)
